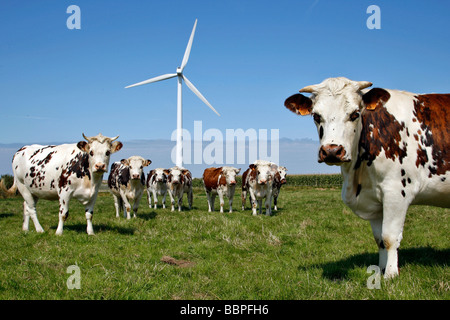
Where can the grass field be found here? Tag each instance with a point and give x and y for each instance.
(312, 248)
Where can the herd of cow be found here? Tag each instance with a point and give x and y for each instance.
(127, 182)
(392, 147)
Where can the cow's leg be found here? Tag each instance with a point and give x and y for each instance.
(230, 199)
(191, 198)
(155, 199)
(377, 227)
(172, 200)
(260, 206)
(394, 213)
(29, 209)
(222, 203)
(253, 202)
(164, 200)
(208, 198)
(126, 203)
(268, 205)
(149, 198)
(63, 212)
(136, 205)
(180, 201)
(213, 199)
(243, 198)
(117, 205)
(275, 201)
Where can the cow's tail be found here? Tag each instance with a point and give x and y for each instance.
(9, 192)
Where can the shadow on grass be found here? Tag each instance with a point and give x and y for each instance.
(6, 215)
(98, 228)
(425, 256)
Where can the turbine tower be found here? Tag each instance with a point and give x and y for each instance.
(180, 77)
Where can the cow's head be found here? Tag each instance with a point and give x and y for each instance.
(136, 166)
(230, 175)
(175, 175)
(99, 149)
(159, 175)
(336, 105)
(264, 171)
(282, 173)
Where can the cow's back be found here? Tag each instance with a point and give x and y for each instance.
(41, 168)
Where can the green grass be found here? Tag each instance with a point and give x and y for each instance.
(312, 248)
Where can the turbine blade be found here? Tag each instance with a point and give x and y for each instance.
(155, 79)
(188, 48)
(194, 90)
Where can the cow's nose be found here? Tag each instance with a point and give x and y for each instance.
(100, 167)
(332, 153)
(262, 181)
(232, 183)
(135, 176)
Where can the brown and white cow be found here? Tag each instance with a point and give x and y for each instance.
(393, 149)
(220, 181)
(60, 173)
(278, 180)
(126, 182)
(258, 181)
(156, 186)
(179, 181)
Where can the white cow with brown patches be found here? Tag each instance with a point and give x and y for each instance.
(60, 173)
(220, 181)
(126, 182)
(179, 182)
(392, 147)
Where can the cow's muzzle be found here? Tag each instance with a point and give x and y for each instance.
(135, 177)
(232, 183)
(332, 154)
(100, 167)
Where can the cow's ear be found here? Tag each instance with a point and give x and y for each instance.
(116, 146)
(166, 171)
(237, 170)
(83, 146)
(147, 162)
(125, 162)
(375, 98)
(252, 166)
(299, 104)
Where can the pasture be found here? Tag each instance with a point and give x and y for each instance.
(313, 247)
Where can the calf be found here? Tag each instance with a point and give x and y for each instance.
(392, 147)
(258, 181)
(157, 186)
(278, 180)
(179, 181)
(127, 183)
(220, 181)
(60, 173)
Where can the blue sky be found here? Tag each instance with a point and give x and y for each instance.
(247, 58)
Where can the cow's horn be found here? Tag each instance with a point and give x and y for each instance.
(364, 84)
(112, 139)
(87, 139)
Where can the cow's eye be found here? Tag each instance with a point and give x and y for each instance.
(91, 153)
(142, 167)
(317, 118)
(108, 153)
(354, 116)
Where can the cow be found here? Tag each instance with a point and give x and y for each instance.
(179, 181)
(126, 182)
(392, 147)
(220, 181)
(278, 180)
(258, 181)
(156, 186)
(62, 172)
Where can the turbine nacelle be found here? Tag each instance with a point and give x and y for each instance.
(179, 71)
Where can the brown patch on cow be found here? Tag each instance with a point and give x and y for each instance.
(211, 178)
(176, 262)
(299, 104)
(380, 131)
(422, 157)
(376, 98)
(433, 113)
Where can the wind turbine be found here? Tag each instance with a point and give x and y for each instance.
(179, 74)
